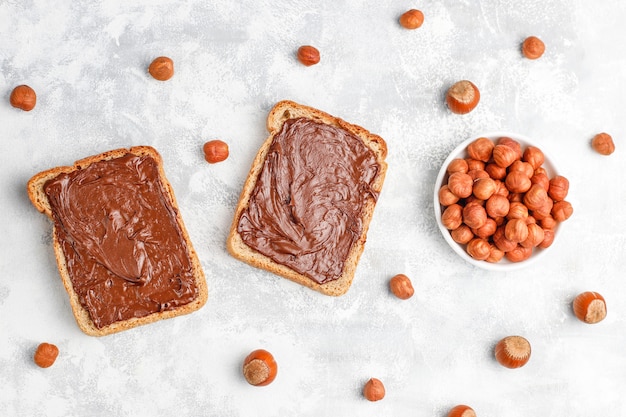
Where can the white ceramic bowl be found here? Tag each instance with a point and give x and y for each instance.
(461, 152)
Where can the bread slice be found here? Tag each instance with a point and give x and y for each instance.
(281, 113)
(193, 283)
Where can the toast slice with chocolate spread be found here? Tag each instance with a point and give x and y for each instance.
(309, 197)
(122, 250)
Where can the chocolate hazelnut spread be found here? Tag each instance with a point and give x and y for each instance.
(306, 208)
(125, 252)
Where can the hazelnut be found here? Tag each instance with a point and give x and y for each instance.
(534, 156)
(513, 351)
(412, 19)
(162, 68)
(544, 210)
(374, 390)
(452, 216)
(484, 188)
(477, 173)
(495, 171)
(518, 254)
(517, 182)
(479, 249)
(516, 230)
(474, 215)
(487, 229)
(461, 411)
(523, 167)
(548, 238)
(533, 47)
(215, 151)
(511, 143)
(589, 307)
(501, 242)
(495, 255)
(23, 97)
(517, 210)
(497, 206)
(536, 197)
(501, 189)
(562, 210)
(308, 55)
(535, 236)
(541, 179)
(462, 234)
(475, 164)
(400, 285)
(480, 149)
(504, 155)
(548, 222)
(259, 368)
(457, 165)
(45, 355)
(460, 184)
(559, 187)
(462, 97)
(447, 197)
(603, 144)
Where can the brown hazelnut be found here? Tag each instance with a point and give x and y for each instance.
(476, 174)
(497, 206)
(462, 234)
(461, 411)
(603, 144)
(260, 368)
(475, 164)
(523, 167)
(541, 179)
(452, 216)
(486, 230)
(495, 255)
(45, 355)
(589, 307)
(308, 55)
(447, 197)
(374, 390)
(516, 230)
(412, 19)
(501, 242)
(559, 187)
(23, 97)
(511, 143)
(561, 211)
(460, 184)
(474, 215)
(215, 151)
(484, 188)
(535, 235)
(517, 182)
(401, 286)
(495, 171)
(533, 47)
(501, 189)
(518, 254)
(536, 197)
(534, 156)
(480, 149)
(548, 238)
(478, 249)
(457, 165)
(162, 68)
(504, 155)
(513, 352)
(462, 97)
(548, 222)
(544, 210)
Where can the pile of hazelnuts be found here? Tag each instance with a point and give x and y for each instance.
(500, 202)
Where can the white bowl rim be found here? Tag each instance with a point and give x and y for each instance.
(504, 264)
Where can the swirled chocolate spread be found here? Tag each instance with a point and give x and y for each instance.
(305, 211)
(125, 252)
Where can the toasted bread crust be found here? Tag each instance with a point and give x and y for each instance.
(35, 189)
(281, 112)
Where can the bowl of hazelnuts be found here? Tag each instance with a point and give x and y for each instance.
(499, 201)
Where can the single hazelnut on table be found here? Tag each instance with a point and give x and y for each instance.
(308, 55)
(412, 19)
(533, 47)
(374, 390)
(259, 368)
(462, 411)
(23, 97)
(512, 351)
(215, 151)
(45, 355)
(589, 307)
(603, 144)
(162, 68)
(400, 285)
(462, 97)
